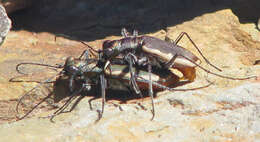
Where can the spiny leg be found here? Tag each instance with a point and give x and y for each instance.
(44, 99)
(219, 75)
(125, 33)
(141, 79)
(73, 106)
(72, 97)
(84, 55)
(193, 43)
(92, 50)
(135, 33)
(222, 76)
(171, 62)
(130, 59)
(169, 39)
(151, 89)
(84, 86)
(103, 84)
(189, 74)
(65, 105)
(62, 108)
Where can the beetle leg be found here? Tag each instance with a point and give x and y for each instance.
(219, 75)
(193, 43)
(168, 39)
(71, 82)
(135, 33)
(66, 104)
(84, 55)
(103, 84)
(188, 73)
(34, 107)
(62, 108)
(125, 33)
(151, 88)
(118, 61)
(106, 65)
(130, 58)
(180, 37)
(171, 62)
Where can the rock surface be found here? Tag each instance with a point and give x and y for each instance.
(226, 111)
(5, 24)
(230, 115)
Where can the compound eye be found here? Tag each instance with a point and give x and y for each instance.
(72, 70)
(69, 61)
(107, 44)
(108, 53)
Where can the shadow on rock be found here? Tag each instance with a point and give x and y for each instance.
(91, 20)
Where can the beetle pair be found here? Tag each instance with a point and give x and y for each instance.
(150, 52)
(83, 73)
(136, 52)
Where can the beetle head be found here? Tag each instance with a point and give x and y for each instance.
(73, 68)
(110, 49)
(70, 66)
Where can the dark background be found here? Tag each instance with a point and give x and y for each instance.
(95, 19)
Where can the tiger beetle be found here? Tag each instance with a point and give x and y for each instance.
(84, 72)
(118, 76)
(148, 52)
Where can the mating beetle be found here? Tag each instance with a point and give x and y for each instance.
(83, 73)
(150, 51)
(160, 53)
(153, 52)
(117, 77)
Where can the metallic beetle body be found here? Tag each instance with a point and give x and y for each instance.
(83, 72)
(150, 52)
(158, 52)
(118, 76)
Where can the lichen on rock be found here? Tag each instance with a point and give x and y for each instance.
(5, 24)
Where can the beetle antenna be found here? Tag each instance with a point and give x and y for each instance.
(219, 75)
(92, 50)
(28, 93)
(193, 43)
(38, 64)
(173, 89)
